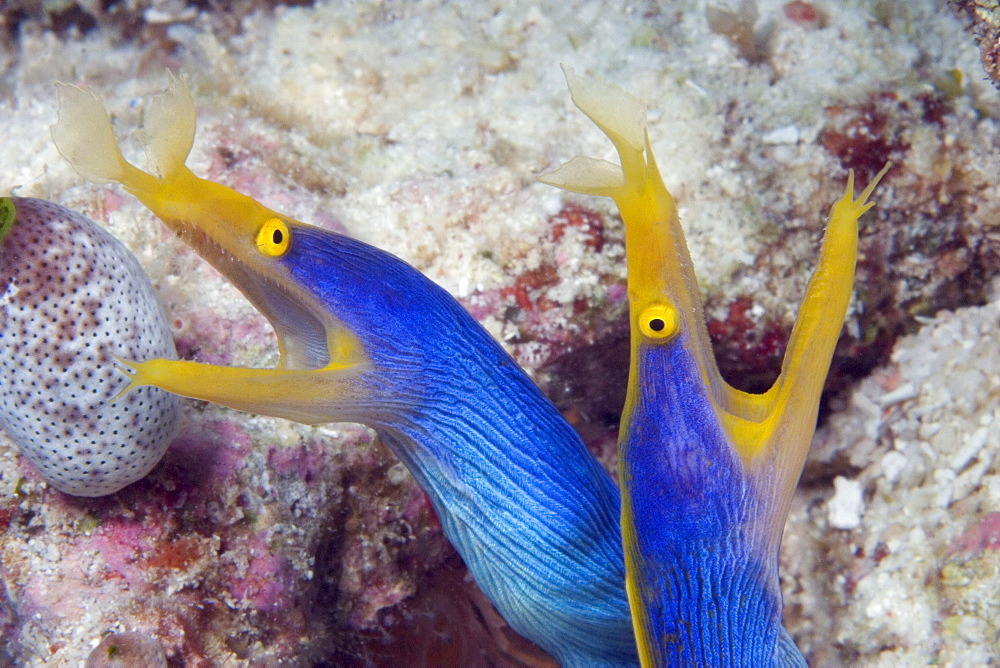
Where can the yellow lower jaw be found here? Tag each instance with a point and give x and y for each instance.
(307, 396)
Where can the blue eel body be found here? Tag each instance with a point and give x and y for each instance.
(719, 599)
(679, 570)
(533, 514)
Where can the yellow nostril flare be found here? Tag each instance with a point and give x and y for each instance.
(273, 238)
(659, 323)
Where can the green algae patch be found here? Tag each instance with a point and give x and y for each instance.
(7, 213)
(89, 523)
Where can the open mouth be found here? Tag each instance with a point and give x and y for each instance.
(298, 321)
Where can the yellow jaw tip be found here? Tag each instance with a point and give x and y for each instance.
(848, 205)
(129, 370)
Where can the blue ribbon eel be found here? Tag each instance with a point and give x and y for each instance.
(707, 471)
(363, 337)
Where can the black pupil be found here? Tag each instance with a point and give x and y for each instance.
(276, 237)
(656, 324)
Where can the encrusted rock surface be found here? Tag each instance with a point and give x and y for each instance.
(419, 127)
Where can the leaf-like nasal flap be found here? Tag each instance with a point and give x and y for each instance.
(587, 176)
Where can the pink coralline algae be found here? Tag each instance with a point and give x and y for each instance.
(290, 542)
(803, 14)
(982, 536)
(265, 580)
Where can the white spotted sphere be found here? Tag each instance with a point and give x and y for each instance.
(71, 297)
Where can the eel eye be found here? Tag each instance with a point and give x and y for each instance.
(273, 238)
(659, 323)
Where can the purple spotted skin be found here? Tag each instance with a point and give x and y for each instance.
(71, 296)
